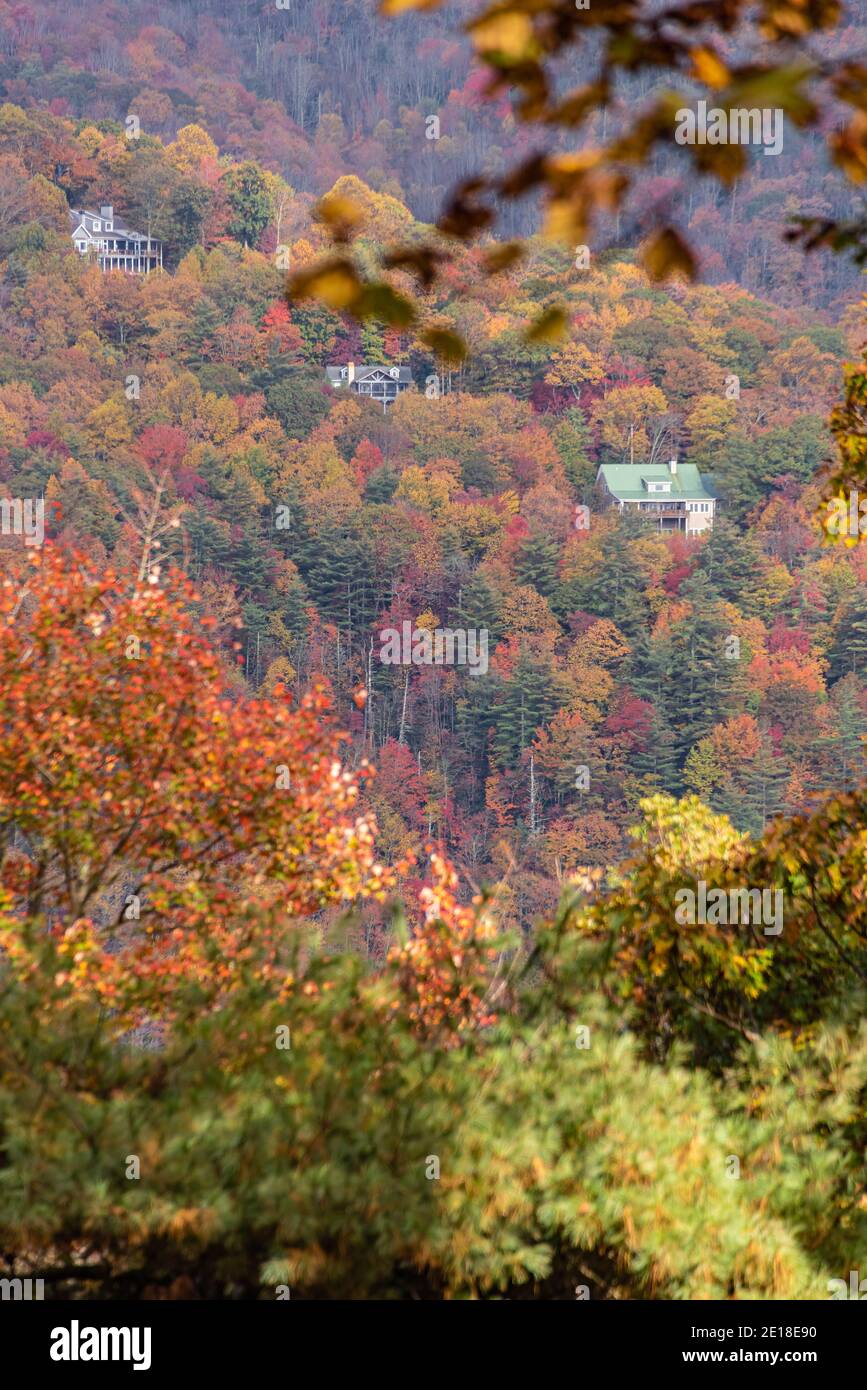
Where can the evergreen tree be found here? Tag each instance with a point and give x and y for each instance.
(210, 541)
(372, 342)
(616, 589)
(736, 474)
(574, 442)
(528, 700)
(656, 766)
(701, 677)
(843, 749)
(480, 606)
(537, 562)
(797, 449)
(206, 320)
(474, 719)
(293, 609)
(337, 567)
(848, 654)
(382, 484)
(731, 560)
(764, 782)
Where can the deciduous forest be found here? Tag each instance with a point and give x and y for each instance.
(411, 932)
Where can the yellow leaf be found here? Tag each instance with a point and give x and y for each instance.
(666, 253)
(335, 283)
(565, 221)
(337, 211)
(574, 107)
(575, 163)
(774, 87)
(710, 69)
(507, 35)
(549, 327)
(849, 149)
(401, 6)
(501, 257)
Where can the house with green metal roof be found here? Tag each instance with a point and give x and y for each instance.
(674, 495)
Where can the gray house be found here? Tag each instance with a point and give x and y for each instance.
(113, 245)
(378, 381)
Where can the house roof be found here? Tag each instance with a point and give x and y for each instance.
(81, 217)
(372, 369)
(628, 481)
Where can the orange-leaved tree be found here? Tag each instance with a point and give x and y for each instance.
(143, 805)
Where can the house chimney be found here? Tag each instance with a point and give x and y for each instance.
(672, 465)
(107, 213)
(350, 372)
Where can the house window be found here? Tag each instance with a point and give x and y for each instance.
(97, 225)
(82, 245)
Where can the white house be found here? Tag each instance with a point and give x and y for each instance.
(114, 246)
(675, 496)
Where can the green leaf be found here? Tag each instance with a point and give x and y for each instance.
(448, 346)
(380, 301)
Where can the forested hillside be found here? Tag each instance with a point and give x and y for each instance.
(335, 974)
(316, 89)
(311, 522)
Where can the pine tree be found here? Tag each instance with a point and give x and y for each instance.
(616, 589)
(764, 783)
(249, 562)
(480, 606)
(574, 442)
(206, 320)
(731, 560)
(382, 484)
(736, 470)
(298, 403)
(702, 677)
(537, 563)
(843, 750)
(848, 653)
(337, 567)
(656, 767)
(531, 698)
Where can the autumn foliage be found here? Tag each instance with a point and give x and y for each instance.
(369, 981)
